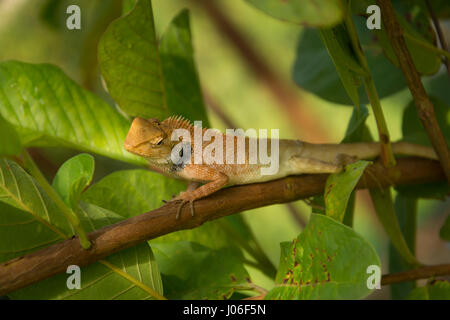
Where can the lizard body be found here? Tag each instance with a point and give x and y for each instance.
(151, 139)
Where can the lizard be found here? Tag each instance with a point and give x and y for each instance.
(151, 139)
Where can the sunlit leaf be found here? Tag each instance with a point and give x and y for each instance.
(73, 177)
(48, 109)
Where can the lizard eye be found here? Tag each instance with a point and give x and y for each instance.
(160, 142)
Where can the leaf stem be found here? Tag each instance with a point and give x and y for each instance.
(387, 155)
(73, 219)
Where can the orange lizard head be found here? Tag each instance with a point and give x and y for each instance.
(149, 138)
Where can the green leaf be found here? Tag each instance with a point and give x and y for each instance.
(412, 128)
(315, 72)
(384, 207)
(145, 80)
(326, 261)
(406, 211)
(445, 230)
(193, 271)
(49, 109)
(338, 44)
(73, 177)
(10, 145)
(339, 187)
(130, 63)
(437, 290)
(307, 12)
(101, 281)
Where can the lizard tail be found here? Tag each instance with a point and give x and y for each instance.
(364, 150)
(411, 149)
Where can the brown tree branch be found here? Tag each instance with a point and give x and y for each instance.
(416, 274)
(424, 106)
(301, 119)
(31, 268)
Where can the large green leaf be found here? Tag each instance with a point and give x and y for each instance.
(104, 279)
(339, 187)
(307, 12)
(130, 63)
(49, 109)
(194, 271)
(328, 260)
(145, 80)
(73, 177)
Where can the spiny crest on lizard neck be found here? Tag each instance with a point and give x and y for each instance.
(179, 122)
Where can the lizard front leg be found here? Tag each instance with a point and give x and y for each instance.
(217, 180)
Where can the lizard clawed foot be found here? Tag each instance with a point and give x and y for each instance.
(184, 197)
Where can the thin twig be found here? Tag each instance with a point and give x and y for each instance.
(42, 264)
(441, 36)
(423, 103)
(416, 274)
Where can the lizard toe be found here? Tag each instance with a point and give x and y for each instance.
(180, 207)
